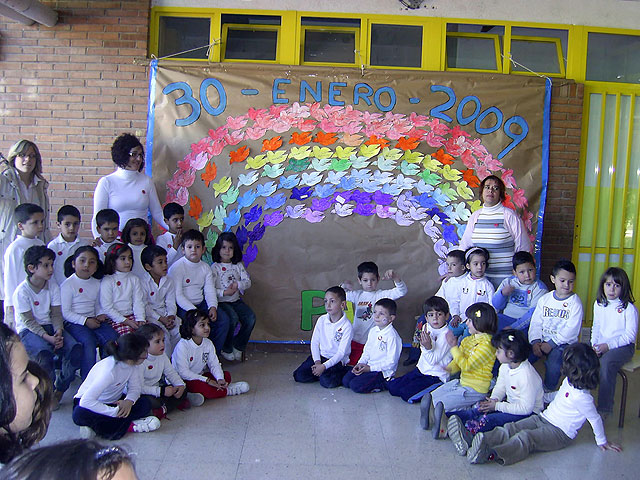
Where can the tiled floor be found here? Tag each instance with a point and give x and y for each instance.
(284, 430)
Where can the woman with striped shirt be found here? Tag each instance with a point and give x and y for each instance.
(497, 228)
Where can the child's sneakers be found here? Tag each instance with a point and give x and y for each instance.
(195, 399)
(459, 435)
(237, 388)
(237, 355)
(425, 406)
(87, 433)
(438, 411)
(146, 424)
(228, 356)
(479, 452)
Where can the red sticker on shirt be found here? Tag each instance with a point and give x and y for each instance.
(529, 292)
(566, 394)
(118, 283)
(150, 367)
(152, 293)
(495, 224)
(143, 192)
(224, 269)
(59, 253)
(188, 281)
(565, 304)
(36, 303)
(80, 290)
(513, 387)
(620, 310)
(190, 359)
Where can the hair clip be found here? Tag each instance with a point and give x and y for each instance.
(471, 252)
(510, 338)
(107, 452)
(478, 313)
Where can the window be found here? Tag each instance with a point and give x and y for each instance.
(396, 45)
(473, 47)
(330, 40)
(540, 50)
(250, 37)
(613, 58)
(180, 34)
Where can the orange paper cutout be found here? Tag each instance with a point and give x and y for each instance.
(407, 143)
(300, 138)
(210, 172)
(374, 140)
(239, 155)
(195, 207)
(442, 157)
(271, 144)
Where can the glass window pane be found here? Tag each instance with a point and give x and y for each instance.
(329, 47)
(251, 44)
(613, 58)
(396, 45)
(563, 35)
(469, 52)
(251, 19)
(178, 34)
(536, 56)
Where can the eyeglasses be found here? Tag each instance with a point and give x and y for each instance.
(136, 155)
(493, 188)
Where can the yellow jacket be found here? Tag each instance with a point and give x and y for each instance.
(474, 359)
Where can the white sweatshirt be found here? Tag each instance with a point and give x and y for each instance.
(363, 303)
(474, 290)
(131, 194)
(382, 350)
(191, 360)
(153, 369)
(166, 241)
(433, 362)
(556, 321)
(194, 282)
(138, 269)
(570, 408)
(227, 273)
(614, 325)
(522, 386)
(102, 249)
(14, 272)
(160, 300)
(63, 250)
(331, 340)
(80, 299)
(450, 291)
(106, 383)
(121, 295)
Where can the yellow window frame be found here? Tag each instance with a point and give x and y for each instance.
(496, 47)
(357, 53)
(214, 27)
(245, 27)
(559, 55)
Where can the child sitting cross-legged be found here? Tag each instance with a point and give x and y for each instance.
(330, 344)
(161, 384)
(195, 360)
(517, 380)
(474, 359)
(435, 353)
(381, 353)
(557, 425)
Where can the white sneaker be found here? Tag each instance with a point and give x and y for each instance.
(87, 433)
(227, 356)
(237, 388)
(195, 399)
(146, 424)
(237, 355)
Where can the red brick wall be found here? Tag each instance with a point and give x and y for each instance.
(72, 89)
(564, 159)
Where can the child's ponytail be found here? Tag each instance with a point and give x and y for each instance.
(127, 347)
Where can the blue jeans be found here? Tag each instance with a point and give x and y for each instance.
(70, 355)
(238, 313)
(367, 382)
(90, 339)
(410, 383)
(330, 378)
(219, 328)
(476, 421)
(552, 365)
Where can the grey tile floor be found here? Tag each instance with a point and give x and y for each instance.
(284, 430)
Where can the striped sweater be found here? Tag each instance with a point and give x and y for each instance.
(474, 359)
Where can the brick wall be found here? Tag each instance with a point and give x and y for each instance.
(72, 89)
(564, 160)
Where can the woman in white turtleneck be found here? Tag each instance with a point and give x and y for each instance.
(128, 191)
(498, 229)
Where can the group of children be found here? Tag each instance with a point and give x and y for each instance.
(158, 314)
(473, 330)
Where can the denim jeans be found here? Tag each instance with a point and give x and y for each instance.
(90, 339)
(238, 313)
(219, 328)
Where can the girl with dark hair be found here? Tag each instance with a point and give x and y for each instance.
(231, 280)
(137, 234)
(128, 190)
(73, 459)
(497, 228)
(101, 407)
(517, 380)
(25, 397)
(614, 331)
(556, 426)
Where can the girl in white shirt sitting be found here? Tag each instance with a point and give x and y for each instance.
(101, 407)
(120, 291)
(558, 425)
(517, 380)
(613, 335)
(137, 235)
(80, 294)
(196, 361)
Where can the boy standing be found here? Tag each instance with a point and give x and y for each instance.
(30, 218)
(330, 344)
(170, 241)
(160, 295)
(556, 322)
(39, 320)
(108, 223)
(65, 244)
(381, 353)
(364, 300)
(196, 287)
(518, 295)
